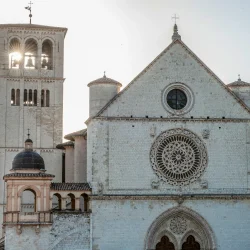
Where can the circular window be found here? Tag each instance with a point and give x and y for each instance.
(178, 157)
(177, 99)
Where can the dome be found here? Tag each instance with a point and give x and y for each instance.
(104, 80)
(28, 159)
(239, 83)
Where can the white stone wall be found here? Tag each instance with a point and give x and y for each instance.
(68, 232)
(121, 159)
(123, 224)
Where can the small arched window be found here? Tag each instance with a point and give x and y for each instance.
(30, 101)
(25, 97)
(13, 97)
(70, 202)
(30, 54)
(45, 98)
(57, 202)
(14, 54)
(28, 201)
(35, 97)
(47, 55)
(84, 202)
(17, 97)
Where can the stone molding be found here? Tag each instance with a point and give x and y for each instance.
(173, 197)
(169, 119)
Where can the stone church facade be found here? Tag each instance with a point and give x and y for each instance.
(162, 165)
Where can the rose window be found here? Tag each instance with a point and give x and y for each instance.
(178, 157)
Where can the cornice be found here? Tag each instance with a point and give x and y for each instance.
(170, 119)
(174, 197)
(34, 79)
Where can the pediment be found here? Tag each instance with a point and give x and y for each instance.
(177, 66)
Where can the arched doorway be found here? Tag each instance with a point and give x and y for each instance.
(165, 244)
(191, 244)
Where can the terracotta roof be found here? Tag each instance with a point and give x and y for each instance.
(32, 26)
(71, 136)
(65, 144)
(29, 175)
(239, 83)
(104, 80)
(70, 186)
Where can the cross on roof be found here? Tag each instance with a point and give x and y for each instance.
(175, 17)
(28, 133)
(29, 8)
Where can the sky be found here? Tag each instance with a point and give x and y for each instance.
(122, 37)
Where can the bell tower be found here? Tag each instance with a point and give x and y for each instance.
(31, 94)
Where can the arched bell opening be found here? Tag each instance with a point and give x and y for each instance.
(47, 55)
(30, 54)
(28, 201)
(57, 202)
(15, 56)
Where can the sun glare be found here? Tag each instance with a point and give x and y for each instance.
(15, 59)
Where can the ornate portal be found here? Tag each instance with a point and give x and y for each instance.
(178, 156)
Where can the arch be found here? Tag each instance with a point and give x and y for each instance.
(207, 237)
(71, 203)
(30, 53)
(191, 244)
(167, 233)
(15, 53)
(84, 203)
(34, 188)
(195, 234)
(165, 243)
(47, 54)
(45, 98)
(25, 200)
(13, 97)
(58, 206)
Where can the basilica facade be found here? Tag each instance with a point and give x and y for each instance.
(162, 165)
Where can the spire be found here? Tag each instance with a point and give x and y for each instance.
(29, 142)
(176, 35)
(104, 75)
(239, 78)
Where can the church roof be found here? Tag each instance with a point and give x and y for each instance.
(32, 26)
(239, 83)
(71, 136)
(65, 144)
(104, 80)
(70, 186)
(29, 175)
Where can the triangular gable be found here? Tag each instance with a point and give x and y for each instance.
(196, 58)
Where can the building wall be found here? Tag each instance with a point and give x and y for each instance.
(128, 221)
(68, 232)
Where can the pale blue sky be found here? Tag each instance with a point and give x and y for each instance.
(123, 36)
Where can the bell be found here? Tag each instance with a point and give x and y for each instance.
(29, 63)
(44, 63)
(15, 63)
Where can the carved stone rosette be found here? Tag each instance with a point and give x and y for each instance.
(178, 157)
